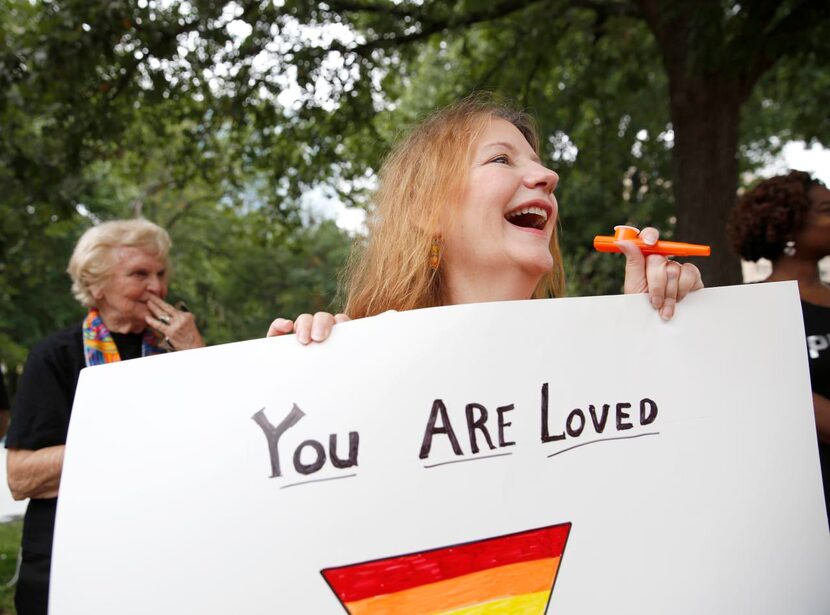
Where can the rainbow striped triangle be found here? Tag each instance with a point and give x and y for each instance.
(513, 574)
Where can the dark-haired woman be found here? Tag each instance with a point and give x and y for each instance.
(786, 219)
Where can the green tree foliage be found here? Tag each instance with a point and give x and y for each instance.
(604, 72)
(107, 112)
(215, 117)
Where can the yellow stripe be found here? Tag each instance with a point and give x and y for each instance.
(476, 588)
(526, 604)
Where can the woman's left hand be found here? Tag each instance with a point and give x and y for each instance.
(178, 327)
(667, 282)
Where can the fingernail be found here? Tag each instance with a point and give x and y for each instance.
(667, 312)
(317, 333)
(302, 337)
(656, 302)
(650, 238)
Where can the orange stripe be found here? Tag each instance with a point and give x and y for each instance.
(100, 344)
(467, 590)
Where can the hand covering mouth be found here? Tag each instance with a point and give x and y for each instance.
(531, 216)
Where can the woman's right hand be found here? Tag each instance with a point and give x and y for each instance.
(308, 328)
(667, 282)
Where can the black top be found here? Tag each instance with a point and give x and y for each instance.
(4, 398)
(817, 329)
(128, 344)
(40, 416)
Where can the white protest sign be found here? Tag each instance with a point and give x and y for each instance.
(578, 455)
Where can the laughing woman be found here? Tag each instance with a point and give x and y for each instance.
(119, 273)
(465, 212)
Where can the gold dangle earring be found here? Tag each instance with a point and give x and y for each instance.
(434, 253)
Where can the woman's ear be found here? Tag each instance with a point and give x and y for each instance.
(439, 222)
(427, 222)
(97, 291)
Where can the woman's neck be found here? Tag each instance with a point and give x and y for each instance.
(806, 273)
(789, 268)
(483, 288)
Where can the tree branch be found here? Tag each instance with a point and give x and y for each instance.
(188, 205)
(789, 34)
(609, 9)
(384, 8)
(429, 25)
(138, 203)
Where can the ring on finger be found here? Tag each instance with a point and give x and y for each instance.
(165, 319)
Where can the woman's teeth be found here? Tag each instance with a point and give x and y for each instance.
(534, 217)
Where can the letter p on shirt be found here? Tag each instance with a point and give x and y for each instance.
(817, 343)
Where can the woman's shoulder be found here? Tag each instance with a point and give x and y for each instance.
(60, 344)
(814, 307)
(815, 297)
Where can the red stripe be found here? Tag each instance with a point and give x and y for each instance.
(394, 574)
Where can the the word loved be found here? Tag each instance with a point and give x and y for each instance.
(600, 418)
(307, 449)
(478, 424)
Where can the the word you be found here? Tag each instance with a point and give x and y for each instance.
(310, 448)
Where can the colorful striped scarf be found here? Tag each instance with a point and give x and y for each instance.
(100, 348)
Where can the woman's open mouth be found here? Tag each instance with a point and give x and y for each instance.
(528, 217)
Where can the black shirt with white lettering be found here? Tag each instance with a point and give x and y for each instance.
(817, 329)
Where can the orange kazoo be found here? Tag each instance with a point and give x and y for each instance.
(605, 243)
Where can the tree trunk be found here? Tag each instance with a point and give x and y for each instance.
(705, 112)
(707, 89)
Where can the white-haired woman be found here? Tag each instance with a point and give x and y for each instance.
(119, 272)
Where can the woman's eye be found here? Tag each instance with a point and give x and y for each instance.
(502, 159)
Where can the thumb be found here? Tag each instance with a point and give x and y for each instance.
(280, 326)
(635, 268)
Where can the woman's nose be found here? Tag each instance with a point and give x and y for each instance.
(155, 285)
(541, 176)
